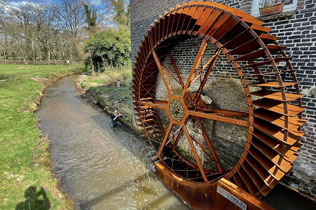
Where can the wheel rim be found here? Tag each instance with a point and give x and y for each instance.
(274, 125)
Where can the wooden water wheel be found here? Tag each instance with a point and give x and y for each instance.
(273, 119)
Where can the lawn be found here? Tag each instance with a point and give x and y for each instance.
(25, 166)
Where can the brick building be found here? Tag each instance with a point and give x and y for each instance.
(296, 29)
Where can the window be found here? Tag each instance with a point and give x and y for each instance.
(256, 4)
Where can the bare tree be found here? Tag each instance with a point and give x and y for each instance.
(39, 31)
(72, 15)
(46, 25)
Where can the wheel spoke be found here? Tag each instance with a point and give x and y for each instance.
(222, 112)
(209, 145)
(164, 140)
(201, 146)
(179, 135)
(215, 116)
(162, 73)
(195, 153)
(218, 51)
(155, 104)
(170, 74)
(177, 139)
(174, 65)
(211, 62)
(195, 65)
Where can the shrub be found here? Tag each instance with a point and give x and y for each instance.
(108, 48)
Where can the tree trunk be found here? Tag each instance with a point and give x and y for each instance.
(70, 56)
(33, 49)
(5, 56)
(91, 63)
(48, 55)
(103, 62)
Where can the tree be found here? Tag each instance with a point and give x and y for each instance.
(47, 26)
(122, 16)
(120, 10)
(42, 31)
(110, 47)
(23, 30)
(72, 14)
(91, 19)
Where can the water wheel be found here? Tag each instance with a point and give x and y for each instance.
(273, 120)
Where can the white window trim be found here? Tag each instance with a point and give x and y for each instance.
(255, 7)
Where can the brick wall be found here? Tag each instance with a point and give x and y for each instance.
(297, 31)
(144, 12)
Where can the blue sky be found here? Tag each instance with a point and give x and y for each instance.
(96, 3)
(104, 15)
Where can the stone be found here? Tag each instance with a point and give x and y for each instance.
(311, 92)
(206, 99)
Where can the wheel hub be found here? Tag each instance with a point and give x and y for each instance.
(176, 110)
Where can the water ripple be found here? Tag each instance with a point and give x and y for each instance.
(99, 167)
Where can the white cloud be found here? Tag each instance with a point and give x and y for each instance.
(21, 3)
(96, 2)
(10, 5)
(106, 20)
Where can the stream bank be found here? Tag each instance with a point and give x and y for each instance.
(24, 157)
(109, 98)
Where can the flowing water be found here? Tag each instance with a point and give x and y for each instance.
(105, 168)
(99, 167)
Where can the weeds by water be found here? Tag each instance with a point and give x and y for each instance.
(108, 78)
(24, 157)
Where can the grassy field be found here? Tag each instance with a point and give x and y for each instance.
(26, 180)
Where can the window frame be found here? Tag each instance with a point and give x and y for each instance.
(255, 7)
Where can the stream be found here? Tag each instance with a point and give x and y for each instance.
(105, 168)
(99, 167)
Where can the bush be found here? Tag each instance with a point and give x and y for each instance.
(108, 48)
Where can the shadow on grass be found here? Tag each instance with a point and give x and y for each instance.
(34, 200)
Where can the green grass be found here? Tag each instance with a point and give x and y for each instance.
(109, 78)
(25, 164)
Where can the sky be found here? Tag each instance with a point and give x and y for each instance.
(96, 3)
(104, 14)
(16, 3)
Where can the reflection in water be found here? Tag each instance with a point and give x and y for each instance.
(100, 167)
